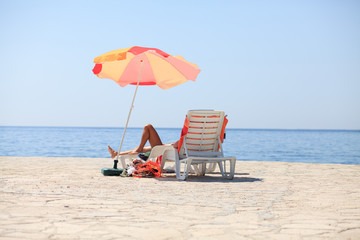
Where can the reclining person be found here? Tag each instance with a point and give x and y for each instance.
(149, 134)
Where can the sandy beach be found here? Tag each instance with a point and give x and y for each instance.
(69, 198)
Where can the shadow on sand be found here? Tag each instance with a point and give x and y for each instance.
(214, 177)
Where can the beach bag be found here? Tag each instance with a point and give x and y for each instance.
(149, 169)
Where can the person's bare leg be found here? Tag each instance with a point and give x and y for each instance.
(151, 135)
(134, 151)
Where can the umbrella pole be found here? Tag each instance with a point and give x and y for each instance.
(127, 121)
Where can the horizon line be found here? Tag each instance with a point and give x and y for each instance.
(273, 129)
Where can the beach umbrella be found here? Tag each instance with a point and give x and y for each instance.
(143, 66)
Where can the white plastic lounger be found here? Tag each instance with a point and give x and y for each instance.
(202, 144)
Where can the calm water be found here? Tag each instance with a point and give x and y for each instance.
(309, 146)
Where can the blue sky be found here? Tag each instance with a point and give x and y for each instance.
(267, 64)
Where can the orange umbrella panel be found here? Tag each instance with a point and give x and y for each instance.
(158, 68)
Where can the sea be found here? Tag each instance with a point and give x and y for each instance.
(306, 146)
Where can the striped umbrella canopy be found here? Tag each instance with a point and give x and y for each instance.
(148, 66)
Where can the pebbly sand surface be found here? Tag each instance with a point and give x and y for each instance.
(68, 198)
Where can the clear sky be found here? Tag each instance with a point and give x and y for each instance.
(267, 64)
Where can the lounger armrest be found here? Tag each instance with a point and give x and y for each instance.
(126, 158)
(168, 153)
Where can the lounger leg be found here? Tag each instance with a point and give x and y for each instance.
(232, 168)
(202, 169)
(211, 168)
(178, 170)
(227, 174)
(187, 165)
(123, 159)
(221, 168)
(230, 175)
(196, 170)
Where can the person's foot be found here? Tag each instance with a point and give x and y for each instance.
(112, 152)
(138, 150)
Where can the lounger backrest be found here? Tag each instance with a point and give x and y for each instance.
(203, 136)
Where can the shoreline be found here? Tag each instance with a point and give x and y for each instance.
(237, 160)
(68, 198)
